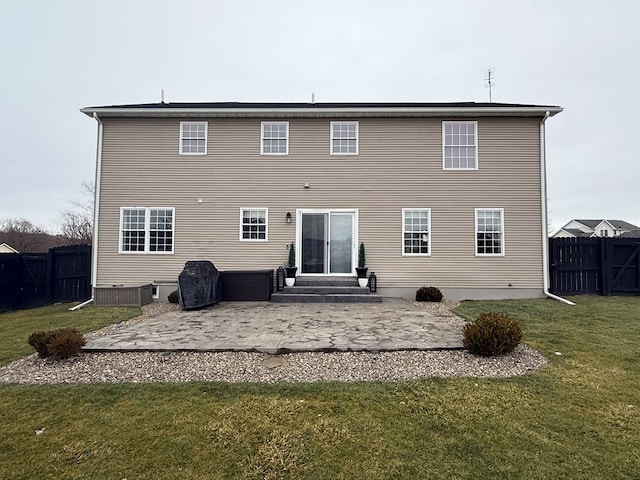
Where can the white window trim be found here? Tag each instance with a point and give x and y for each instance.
(266, 225)
(147, 236)
(428, 210)
(357, 124)
(444, 167)
(475, 233)
(206, 137)
(262, 152)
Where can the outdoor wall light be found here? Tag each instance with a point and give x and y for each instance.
(288, 217)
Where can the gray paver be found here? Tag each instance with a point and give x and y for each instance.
(394, 324)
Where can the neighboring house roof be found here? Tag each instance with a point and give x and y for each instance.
(6, 248)
(249, 109)
(631, 234)
(576, 233)
(589, 228)
(618, 224)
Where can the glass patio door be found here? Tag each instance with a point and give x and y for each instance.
(327, 243)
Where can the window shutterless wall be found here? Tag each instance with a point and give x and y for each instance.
(399, 165)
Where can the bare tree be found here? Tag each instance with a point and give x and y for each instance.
(76, 225)
(24, 236)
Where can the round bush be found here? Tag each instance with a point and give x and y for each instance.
(57, 344)
(66, 343)
(173, 297)
(492, 334)
(428, 294)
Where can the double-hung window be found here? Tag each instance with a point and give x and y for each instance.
(253, 224)
(146, 230)
(489, 231)
(460, 145)
(344, 138)
(416, 231)
(193, 138)
(275, 138)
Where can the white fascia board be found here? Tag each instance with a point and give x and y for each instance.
(322, 112)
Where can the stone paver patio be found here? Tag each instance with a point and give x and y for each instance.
(394, 324)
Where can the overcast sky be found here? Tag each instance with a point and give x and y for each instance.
(59, 56)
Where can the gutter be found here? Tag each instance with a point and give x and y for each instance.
(96, 215)
(545, 234)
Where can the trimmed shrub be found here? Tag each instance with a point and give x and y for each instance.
(492, 334)
(40, 341)
(66, 343)
(428, 294)
(173, 297)
(57, 344)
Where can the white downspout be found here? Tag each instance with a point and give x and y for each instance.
(545, 235)
(96, 215)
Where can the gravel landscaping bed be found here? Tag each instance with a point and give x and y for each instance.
(141, 367)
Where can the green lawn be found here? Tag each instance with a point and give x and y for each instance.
(15, 327)
(577, 418)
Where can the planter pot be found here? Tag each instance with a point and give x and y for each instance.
(361, 272)
(363, 282)
(291, 271)
(290, 281)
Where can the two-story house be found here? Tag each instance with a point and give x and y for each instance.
(451, 195)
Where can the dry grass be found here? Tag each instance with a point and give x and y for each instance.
(578, 418)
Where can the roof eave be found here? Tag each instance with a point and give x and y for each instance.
(324, 112)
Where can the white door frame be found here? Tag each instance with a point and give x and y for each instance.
(354, 239)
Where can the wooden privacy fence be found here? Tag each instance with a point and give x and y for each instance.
(29, 280)
(594, 266)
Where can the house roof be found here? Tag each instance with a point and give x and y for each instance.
(618, 224)
(247, 109)
(576, 232)
(631, 234)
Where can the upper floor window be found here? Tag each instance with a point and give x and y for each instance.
(460, 147)
(490, 231)
(193, 138)
(275, 138)
(253, 223)
(416, 226)
(344, 138)
(146, 230)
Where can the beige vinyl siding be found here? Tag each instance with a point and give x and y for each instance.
(399, 165)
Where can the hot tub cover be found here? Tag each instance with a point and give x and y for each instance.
(199, 285)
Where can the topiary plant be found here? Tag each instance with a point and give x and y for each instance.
(362, 258)
(173, 297)
(428, 294)
(292, 256)
(57, 344)
(492, 334)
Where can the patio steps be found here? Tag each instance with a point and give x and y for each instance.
(326, 290)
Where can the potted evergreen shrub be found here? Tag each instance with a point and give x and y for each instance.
(291, 266)
(361, 270)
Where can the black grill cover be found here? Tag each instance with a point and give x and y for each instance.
(199, 285)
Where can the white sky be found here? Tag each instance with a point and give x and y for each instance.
(58, 56)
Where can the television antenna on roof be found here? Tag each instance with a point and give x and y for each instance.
(489, 76)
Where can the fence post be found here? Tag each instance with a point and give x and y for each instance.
(606, 265)
(49, 287)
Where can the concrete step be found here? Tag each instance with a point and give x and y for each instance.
(325, 290)
(327, 281)
(325, 298)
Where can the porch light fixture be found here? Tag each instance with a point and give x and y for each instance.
(288, 217)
